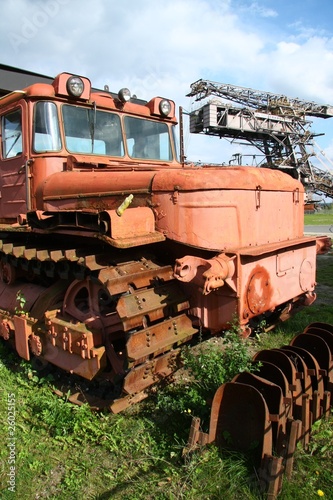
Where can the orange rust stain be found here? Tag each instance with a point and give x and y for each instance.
(258, 291)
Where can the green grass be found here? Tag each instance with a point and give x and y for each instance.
(324, 274)
(324, 217)
(66, 452)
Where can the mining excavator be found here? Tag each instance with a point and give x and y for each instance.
(275, 126)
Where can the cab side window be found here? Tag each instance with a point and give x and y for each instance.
(12, 144)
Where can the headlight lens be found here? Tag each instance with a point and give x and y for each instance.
(124, 95)
(75, 86)
(165, 107)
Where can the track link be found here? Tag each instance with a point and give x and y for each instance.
(275, 406)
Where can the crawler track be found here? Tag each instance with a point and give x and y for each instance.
(119, 321)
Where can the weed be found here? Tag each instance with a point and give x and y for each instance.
(21, 302)
(322, 445)
(226, 476)
(216, 363)
(208, 366)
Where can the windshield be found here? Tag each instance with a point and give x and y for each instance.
(91, 131)
(147, 139)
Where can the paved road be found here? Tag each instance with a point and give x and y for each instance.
(318, 230)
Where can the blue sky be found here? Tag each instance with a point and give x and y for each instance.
(161, 47)
(299, 15)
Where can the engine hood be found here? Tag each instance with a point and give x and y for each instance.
(240, 178)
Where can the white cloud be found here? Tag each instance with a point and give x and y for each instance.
(183, 39)
(288, 48)
(304, 70)
(162, 47)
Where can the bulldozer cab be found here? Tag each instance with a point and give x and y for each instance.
(48, 128)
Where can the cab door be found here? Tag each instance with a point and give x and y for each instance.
(14, 171)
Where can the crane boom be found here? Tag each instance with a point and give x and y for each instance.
(258, 99)
(273, 123)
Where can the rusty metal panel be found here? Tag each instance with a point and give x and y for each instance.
(134, 222)
(275, 278)
(226, 220)
(227, 424)
(86, 368)
(67, 189)
(160, 337)
(138, 274)
(154, 302)
(228, 178)
(23, 331)
(261, 283)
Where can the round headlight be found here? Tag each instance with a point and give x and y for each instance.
(124, 95)
(75, 86)
(165, 107)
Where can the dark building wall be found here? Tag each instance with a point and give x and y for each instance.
(15, 79)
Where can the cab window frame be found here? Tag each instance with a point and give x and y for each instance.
(49, 135)
(12, 140)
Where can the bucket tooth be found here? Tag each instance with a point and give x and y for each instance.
(307, 393)
(322, 333)
(273, 396)
(228, 427)
(196, 437)
(322, 326)
(281, 360)
(291, 388)
(317, 382)
(274, 374)
(301, 369)
(327, 402)
(319, 348)
(300, 410)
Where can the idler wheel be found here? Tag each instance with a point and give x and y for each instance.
(85, 300)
